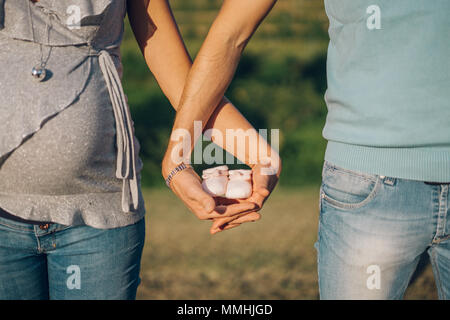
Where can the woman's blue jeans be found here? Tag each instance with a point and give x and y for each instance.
(373, 230)
(64, 262)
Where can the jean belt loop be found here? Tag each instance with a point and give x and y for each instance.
(388, 180)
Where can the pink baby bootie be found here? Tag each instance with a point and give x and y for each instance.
(215, 181)
(239, 184)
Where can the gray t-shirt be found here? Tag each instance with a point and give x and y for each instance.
(68, 153)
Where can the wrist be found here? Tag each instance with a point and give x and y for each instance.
(182, 166)
(269, 165)
(166, 167)
(168, 164)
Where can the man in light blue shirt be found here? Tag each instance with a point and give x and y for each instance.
(384, 198)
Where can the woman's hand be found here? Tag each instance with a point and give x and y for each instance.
(186, 184)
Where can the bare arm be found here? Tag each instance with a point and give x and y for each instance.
(164, 51)
(214, 69)
(165, 54)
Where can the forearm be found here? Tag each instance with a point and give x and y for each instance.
(223, 115)
(205, 86)
(166, 56)
(217, 115)
(214, 69)
(230, 130)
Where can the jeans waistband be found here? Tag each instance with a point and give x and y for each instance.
(7, 215)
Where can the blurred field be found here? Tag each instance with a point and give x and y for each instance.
(273, 258)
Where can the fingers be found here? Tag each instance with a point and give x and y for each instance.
(215, 230)
(258, 199)
(207, 202)
(227, 227)
(222, 223)
(219, 224)
(203, 209)
(234, 209)
(263, 191)
(262, 186)
(228, 211)
(204, 205)
(226, 201)
(188, 188)
(250, 217)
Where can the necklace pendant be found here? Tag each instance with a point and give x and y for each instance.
(39, 73)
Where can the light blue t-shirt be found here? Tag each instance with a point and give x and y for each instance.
(388, 94)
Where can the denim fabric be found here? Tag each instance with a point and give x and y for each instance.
(64, 262)
(373, 230)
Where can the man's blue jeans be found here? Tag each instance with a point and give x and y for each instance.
(373, 230)
(64, 262)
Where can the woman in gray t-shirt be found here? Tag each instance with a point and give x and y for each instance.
(70, 196)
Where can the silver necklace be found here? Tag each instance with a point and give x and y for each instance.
(39, 72)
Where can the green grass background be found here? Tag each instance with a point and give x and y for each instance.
(279, 84)
(273, 258)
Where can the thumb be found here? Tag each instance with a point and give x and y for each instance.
(208, 203)
(263, 191)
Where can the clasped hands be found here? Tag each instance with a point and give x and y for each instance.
(225, 213)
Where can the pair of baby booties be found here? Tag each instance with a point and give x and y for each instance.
(231, 184)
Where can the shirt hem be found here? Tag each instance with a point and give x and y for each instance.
(99, 210)
(430, 164)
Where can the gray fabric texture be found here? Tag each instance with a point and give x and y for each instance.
(68, 153)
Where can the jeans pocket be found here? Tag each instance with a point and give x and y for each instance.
(347, 189)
